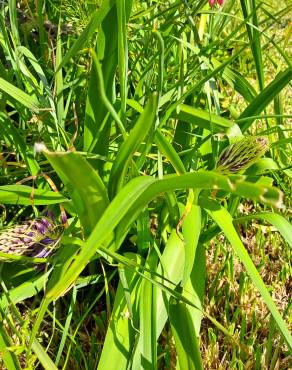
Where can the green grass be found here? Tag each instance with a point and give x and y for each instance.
(114, 117)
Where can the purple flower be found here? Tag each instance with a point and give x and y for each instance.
(33, 238)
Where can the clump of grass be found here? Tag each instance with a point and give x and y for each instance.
(123, 284)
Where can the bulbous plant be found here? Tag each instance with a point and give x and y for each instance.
(36, 238)
(240, 155)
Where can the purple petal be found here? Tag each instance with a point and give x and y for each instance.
(63, 218)
(40, 227)
(27, 239)
(42, 253)
(16, 241)
(45, 222)
(47, 241)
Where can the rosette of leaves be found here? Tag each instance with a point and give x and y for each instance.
(237, 157)
(36, 238)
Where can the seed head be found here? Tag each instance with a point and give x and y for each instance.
(242, 154)
(33, 238)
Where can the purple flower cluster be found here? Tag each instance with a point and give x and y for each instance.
(33, 238)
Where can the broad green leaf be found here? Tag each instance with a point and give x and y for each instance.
(191, 229)
(194, 289)
(171, 266)
(116, 352)
(203, 119)
(145, 356)
(185, 338)
(26, 195)
(96, 128)
(26, 290)
(83, 184)
(43, 357)
(261, 166)
(139, 192)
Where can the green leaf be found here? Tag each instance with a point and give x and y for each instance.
(145, 356)
(264, 98)
(25, 290)
(203, 119)
(8, 357)
(16, 138)
(191, 229)
(171, 266)
(43, 357)
(238, 82)
(278, 221)
(167, 149)
(97, 129)
(26, 195)
(119, 338)
(194, 289)
(84, 185)
(225, 222)
(139, 192)
(183, 330)
(130, 145)
(261, 166)
(19, 95)
(250, 13)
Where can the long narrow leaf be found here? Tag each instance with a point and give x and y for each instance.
(225, 222)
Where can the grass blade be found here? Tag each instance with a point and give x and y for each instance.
(128, 148)
(225, 222)
(25, 195)
(264, 98)
(186, 343)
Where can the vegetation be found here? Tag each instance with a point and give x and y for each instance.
(145, 184)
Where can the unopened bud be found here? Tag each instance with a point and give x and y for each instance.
(242, 154)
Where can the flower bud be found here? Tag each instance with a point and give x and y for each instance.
(242, 154)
